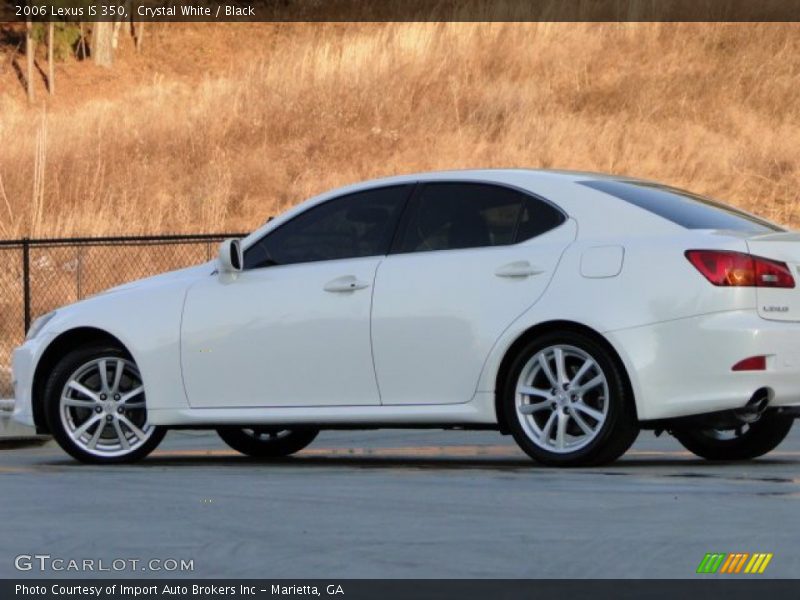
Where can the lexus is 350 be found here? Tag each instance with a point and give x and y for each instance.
(569, 310)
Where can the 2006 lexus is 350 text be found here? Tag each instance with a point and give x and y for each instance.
(569, 310)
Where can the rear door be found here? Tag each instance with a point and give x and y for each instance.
(468, 260)
(779, 304)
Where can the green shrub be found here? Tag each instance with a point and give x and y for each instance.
(65, 38)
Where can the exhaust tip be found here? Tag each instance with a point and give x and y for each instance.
(755, 407)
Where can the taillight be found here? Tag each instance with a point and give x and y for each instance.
(737, 269)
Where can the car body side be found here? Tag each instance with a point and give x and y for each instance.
(622, 276)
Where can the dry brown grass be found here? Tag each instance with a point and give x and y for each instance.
(711, 107)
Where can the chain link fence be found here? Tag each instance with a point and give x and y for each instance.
(37, 276)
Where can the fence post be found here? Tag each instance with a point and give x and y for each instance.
(26, 282)
(79, 273)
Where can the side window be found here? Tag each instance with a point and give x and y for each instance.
(449, 216)
(536, 218)
(352, 226)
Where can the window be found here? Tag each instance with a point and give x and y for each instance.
(359, 224)
(682, 208)
(448, 216)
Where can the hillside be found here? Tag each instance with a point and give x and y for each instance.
(217, 126)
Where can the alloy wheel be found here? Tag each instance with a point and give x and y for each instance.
(726, 434)
(266, 434)
(102, 408)
(562, 398)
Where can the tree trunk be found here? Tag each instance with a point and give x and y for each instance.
(102, 43)
(117, 25)
(51, 80)
(82, 41)
(29, 48)
(139, 30)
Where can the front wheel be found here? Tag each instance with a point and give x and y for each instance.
(95, 407)
(267, 442)
(745, 442)
(567, 402)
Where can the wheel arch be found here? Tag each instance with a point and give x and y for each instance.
(532, 333)
(55, 351)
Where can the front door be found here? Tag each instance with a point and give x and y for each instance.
(293, 328)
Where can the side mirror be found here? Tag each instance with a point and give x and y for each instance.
(230, 256)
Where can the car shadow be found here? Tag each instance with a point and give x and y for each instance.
(688, 467)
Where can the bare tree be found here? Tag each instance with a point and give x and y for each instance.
(119, 21)
(29, 49)
(102, 43)
(138, 33)
(115, 35)
(82, 41)
(51, 81)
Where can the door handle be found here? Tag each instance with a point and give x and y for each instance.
(520, 268)
(348, 283)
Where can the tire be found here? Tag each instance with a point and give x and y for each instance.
(542, 416)
(76, 393)
(758, 439)
(267, 442)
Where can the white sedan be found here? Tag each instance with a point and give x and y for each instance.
(569, 310)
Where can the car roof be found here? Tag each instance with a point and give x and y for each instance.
(491, 175)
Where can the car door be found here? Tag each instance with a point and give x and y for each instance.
(469, 259)
(293, 328)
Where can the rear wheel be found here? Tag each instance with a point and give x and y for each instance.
(567, 402)
(95, 407)
(267, 442)
(746, 442)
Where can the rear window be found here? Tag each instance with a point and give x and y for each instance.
(681, 207)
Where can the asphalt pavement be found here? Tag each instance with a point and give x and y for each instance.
(396, 504)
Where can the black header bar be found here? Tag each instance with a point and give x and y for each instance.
(403, 10)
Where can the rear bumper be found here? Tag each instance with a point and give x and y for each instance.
(682, 368)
